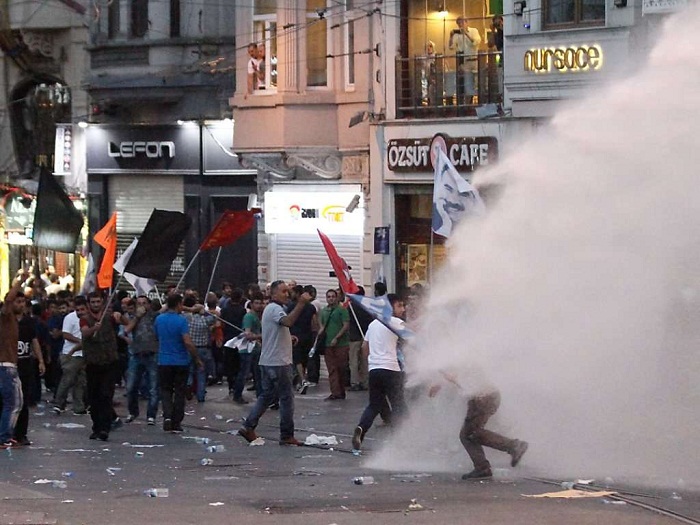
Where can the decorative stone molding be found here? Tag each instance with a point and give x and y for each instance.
(39, 42)
(356, 167)
(272, 164)
(321, 164)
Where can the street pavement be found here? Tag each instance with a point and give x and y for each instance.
(106, 483)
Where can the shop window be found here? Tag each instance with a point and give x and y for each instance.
(567, 13)
(316, 44)
(265, 36)
(139, 18)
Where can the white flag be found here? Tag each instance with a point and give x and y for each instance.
(90, 280)
(142, 285)
(453, 197)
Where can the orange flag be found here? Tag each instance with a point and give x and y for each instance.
(107, 238)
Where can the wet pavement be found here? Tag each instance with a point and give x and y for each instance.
(67, 478)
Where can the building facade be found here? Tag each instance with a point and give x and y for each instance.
(159, 132)
(302, 106)
(43, 64)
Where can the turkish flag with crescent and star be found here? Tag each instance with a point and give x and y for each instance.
(340, 267)
(231, 226)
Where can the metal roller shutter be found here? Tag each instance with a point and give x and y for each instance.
(135, 196)
(302, 258)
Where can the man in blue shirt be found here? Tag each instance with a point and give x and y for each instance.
(175, 349)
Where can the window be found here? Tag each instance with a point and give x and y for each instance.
(349, 46)
(174, 18)
(316, 44)
(566, 13)
(139, 18)
(265, 36)
(113, 19)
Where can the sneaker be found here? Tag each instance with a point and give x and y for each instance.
(103, 436)
(58, 410)
(334, 398)
(240, 401)
(167, 425)
(151, 421)
(355, 388)
(357, 436)
(93, 435)
(177, 429)
(130, 418)
(290, 442)
(478, 474)
(517, 454)
(80, 412)
(22, 442)
(248, 434)
(117, 423)
(7, 444)
(303, 388)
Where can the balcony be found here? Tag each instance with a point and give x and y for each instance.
(448, 85)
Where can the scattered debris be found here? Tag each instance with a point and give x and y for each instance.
(112, 470)
(363, 480)
(258, 442)
(414, 505)
(157, 493)
(216, 448)
(206, 461)
(218, 417)
(216, 504)
(67, 501)
(313, 439)
(69, 425)
(572, 494)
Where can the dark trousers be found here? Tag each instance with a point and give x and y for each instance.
(475, 437)
(100, 389)
(313, 368)
(337, 362)
(232, 364)
(25, 370)
(383, 385)
(173, 383)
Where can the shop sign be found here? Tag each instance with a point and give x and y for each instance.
(297, 212)
(62, 156)
(19, 213)
(564, 59)
(466, 153)
(113, 149)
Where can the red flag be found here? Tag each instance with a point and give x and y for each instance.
(231, 226)
(107, 238)
(340, 267)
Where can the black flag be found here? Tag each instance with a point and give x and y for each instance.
(57, 223)
(158, 244)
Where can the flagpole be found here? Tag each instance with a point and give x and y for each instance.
(211, 279)
(226, 322)
(430, 268)
(357, 320)
(182, 277)
(111, 296)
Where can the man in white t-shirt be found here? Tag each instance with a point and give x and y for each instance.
(253, 69)
(385, 375)
(72, 363)
(465, 42)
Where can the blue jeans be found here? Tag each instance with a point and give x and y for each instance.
(141, 365)
(208, 362)
(243, 370)
(276, 381)
(11, 394)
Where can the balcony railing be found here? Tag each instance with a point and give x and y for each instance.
(448, 85)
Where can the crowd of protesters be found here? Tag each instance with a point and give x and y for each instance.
(265, 343)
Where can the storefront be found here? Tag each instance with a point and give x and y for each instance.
(186, 168)
(294, 213)
(402, 198)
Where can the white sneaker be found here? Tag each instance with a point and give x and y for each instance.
(151, 421)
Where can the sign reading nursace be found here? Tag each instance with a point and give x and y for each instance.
(564, 59)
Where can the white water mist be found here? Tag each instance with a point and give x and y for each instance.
(578, 294)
